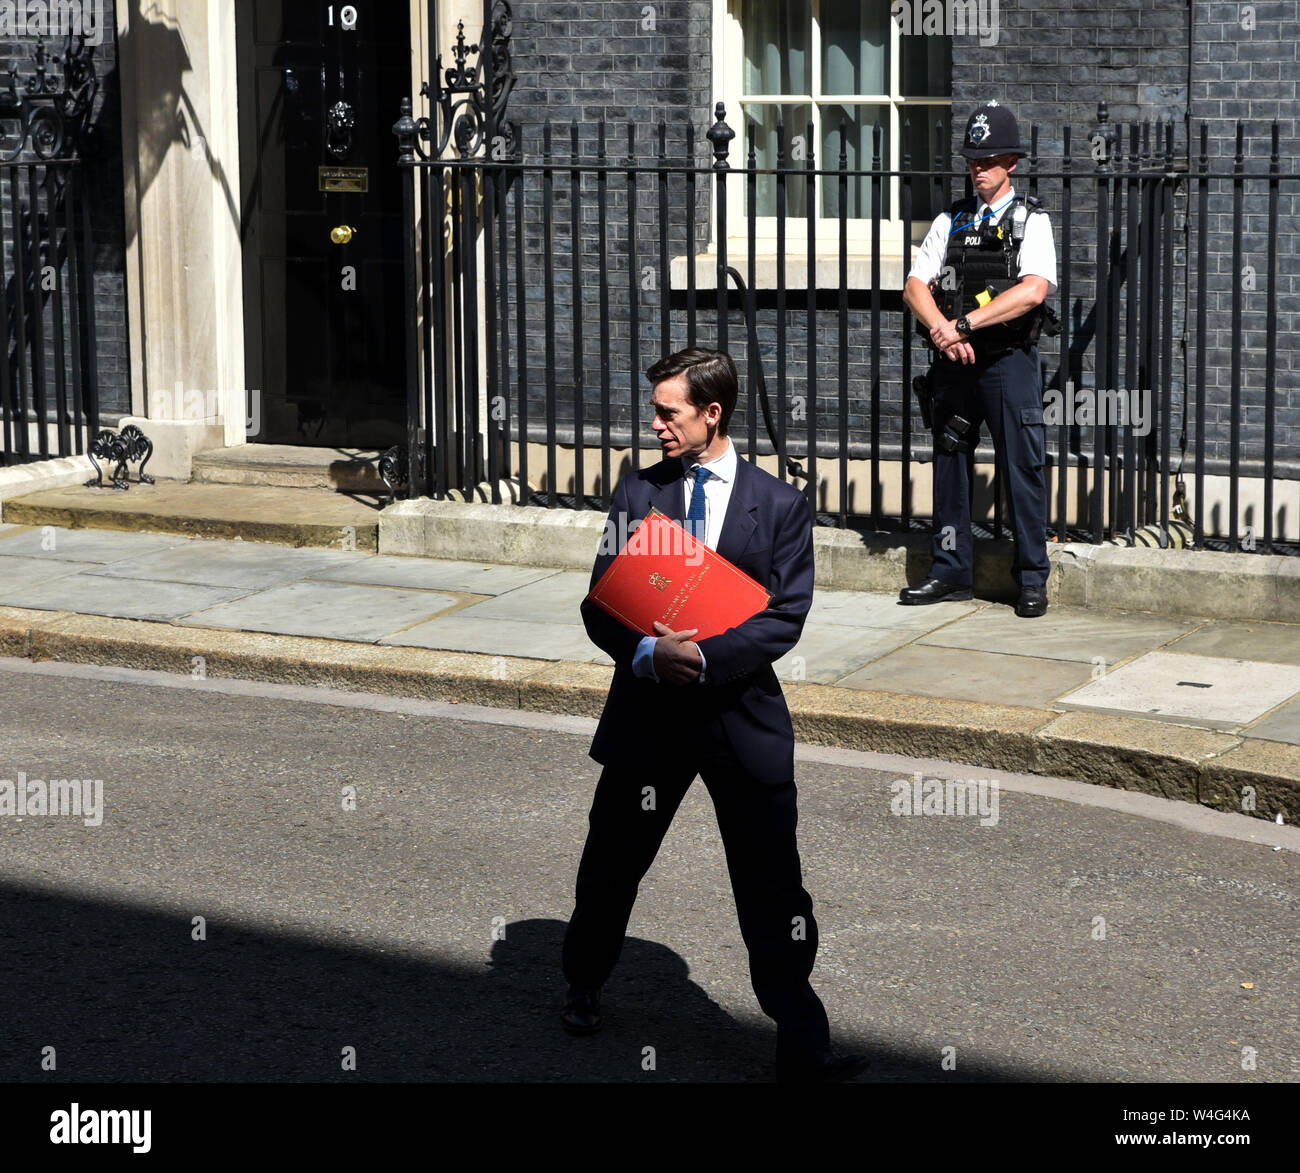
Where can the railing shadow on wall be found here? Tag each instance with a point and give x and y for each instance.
(558, 276)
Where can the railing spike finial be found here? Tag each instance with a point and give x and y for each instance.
(1103, 139)
(406, 130)
(720, 135)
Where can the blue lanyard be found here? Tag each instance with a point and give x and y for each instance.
(991, 212)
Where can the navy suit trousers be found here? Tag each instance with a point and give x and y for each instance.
(757, 821)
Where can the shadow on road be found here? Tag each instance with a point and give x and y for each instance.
(125, 994)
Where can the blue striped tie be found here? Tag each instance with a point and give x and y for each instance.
(695, 514)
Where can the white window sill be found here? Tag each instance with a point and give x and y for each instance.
(827, 270)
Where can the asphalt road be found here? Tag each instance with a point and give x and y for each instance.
(423, 927)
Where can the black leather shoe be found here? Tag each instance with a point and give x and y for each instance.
(933, 590)
(581, 1013)
(832, 1069)
(1032, 602)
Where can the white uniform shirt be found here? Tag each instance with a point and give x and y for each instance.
(1037, 250)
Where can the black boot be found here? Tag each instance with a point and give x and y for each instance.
(1032, 602)
(581, 1013)
(934, 590)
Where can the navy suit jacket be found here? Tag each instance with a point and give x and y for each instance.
(767, 533)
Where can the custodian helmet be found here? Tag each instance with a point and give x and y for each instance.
(992, 131)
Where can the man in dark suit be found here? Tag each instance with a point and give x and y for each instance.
(677, 708)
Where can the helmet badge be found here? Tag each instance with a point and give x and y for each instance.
(979, 130)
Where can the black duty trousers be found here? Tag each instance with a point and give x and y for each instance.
(1007, 394)
(757, 821)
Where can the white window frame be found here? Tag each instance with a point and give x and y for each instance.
(728, 88)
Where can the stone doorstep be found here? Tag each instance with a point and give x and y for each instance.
(278, 515)
(18, 480)
(1170, 761)
(288, 466)
(284, 534)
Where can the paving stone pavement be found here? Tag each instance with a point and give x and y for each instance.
(1235, 677)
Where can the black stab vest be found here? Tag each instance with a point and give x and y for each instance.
(979, 257)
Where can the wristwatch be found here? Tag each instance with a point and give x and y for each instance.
(963, 325)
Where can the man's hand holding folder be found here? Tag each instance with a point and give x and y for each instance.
(677, 659)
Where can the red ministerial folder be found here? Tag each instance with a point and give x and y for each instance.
(664, 573)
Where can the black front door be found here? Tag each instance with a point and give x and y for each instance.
(319, 88)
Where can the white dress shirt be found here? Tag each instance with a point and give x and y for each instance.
(717, 496)
(1037, 250)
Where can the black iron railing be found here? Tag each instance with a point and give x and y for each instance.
(48, 379)
(514, 258)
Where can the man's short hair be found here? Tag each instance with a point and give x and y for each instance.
(710, 378)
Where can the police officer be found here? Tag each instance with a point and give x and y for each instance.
(977, 291)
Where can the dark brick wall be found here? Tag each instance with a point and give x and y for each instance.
(101, 155)
(1054, 60)
(1251, 75)
(581, 64)
(1052, 63)
(586, 62)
